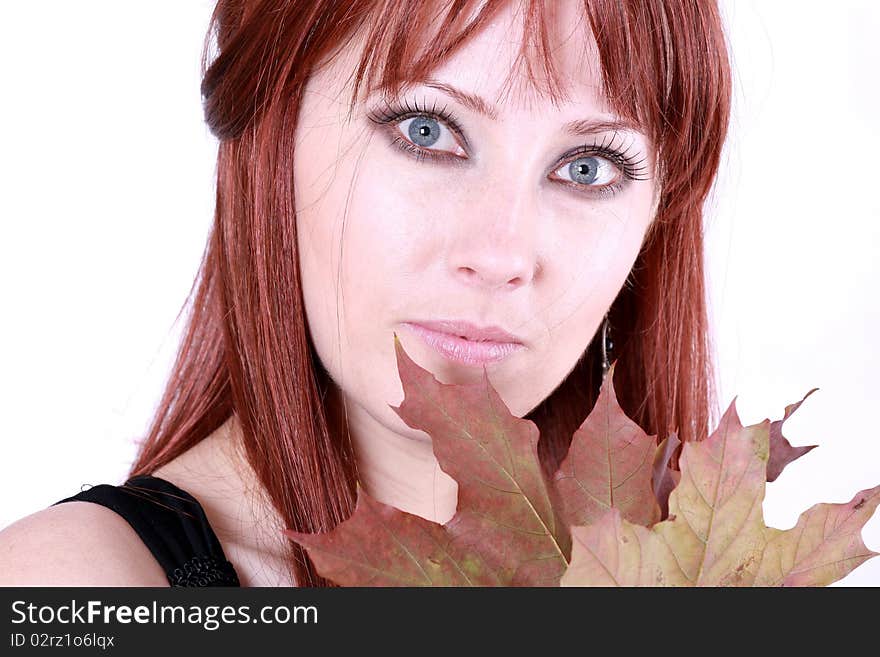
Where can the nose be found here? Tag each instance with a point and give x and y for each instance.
(495, 242)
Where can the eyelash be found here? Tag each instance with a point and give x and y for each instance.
(631, 165)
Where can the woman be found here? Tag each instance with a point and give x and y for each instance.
(531, 174)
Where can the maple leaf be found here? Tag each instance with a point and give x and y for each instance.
(715, 534)
(781, 451)
(383, 546)
(506, 513)
(610, 463)
(602, 518)
(824, 545)
(504, 501)
(664, 478)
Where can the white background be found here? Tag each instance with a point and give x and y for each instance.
(106, 197)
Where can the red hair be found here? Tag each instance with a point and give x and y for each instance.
(246, 349)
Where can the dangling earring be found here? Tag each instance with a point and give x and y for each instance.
(607, 346)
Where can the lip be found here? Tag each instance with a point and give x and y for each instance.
(473, 332)
(490, 344)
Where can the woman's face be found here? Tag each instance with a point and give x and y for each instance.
(521, 221)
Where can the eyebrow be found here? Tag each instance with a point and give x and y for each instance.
(578, 128)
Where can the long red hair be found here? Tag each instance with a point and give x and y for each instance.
(246, 349)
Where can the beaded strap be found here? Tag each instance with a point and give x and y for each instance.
(204, 570)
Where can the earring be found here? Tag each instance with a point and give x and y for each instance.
(607, 347)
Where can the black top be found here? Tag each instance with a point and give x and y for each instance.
(172, 524)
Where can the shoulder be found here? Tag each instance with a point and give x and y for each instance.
(76, 544)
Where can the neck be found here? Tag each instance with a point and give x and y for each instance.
(394, 469)
(218, 475)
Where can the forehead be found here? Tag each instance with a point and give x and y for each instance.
(503, 64)
(516, 61)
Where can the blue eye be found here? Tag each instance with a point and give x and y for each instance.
(591, 171)
(430, 134)
(424, 131)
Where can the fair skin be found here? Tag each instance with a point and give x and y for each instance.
(514, 236)
(498, 240)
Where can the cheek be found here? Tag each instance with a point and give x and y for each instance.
(594, 260)
(392, 236)
(362, 239)
(613, 244)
